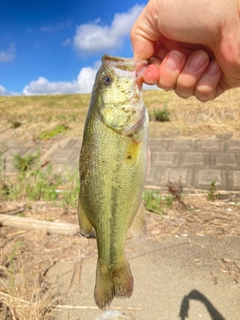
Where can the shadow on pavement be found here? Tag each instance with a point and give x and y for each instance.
(196, 295)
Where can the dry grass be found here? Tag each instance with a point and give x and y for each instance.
(42, 113)
(196, 215)
(191, 118)
(25, 259)
(188, 118)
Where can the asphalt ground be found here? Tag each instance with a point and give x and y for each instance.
(174, 278)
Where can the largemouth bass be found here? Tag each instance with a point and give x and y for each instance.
(113, 165)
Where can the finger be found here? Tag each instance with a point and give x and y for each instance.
(170, 68)
(151, 73)
(143, 48)
(144, 34)
(192, 72)
(208, 87)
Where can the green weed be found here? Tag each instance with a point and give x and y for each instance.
(38, 184)
(212, 193)
(161, 115)
(15, 124)
(157, 203)
(22, 214)
(24, 163)
(46, 135)
(35, 182)
(69, 196)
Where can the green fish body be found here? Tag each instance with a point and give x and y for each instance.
(113, 166)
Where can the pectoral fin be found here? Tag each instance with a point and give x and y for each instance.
(138, 226)
(85, 226)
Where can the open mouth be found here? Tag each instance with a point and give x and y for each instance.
(127, 67)
(125, 64)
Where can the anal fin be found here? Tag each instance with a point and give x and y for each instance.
(86, 229)
(138, 226)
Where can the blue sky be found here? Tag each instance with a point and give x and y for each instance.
(51, 46)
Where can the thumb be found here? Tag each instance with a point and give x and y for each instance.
(145, 33)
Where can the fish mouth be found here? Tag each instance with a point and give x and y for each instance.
(136, 69)
(125, 64)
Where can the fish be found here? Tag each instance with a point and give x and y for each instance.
(113, 166)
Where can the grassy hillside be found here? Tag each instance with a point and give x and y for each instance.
(36, 117)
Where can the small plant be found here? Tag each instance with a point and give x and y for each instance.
(155, 202)
(15, 124)
(37, 181)
(24, 163)
(212, 193)
(46, 135)
(161, 115)
(21, 214)
(175, 189)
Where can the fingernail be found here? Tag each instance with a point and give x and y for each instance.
(213, 69)
(198, 61)
(174, 60)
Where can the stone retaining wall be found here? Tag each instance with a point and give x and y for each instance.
(197, 162)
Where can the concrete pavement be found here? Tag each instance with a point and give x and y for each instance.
(174, 278)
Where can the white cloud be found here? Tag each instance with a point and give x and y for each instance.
(94, 37)
(9, 54)
(83, 84)
(3, 91)
(43, 86)
(86, 77)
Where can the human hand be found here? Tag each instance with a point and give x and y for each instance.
(192, 47)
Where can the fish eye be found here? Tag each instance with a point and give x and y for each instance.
(107, 80)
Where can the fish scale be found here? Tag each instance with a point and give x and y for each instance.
(113, 165)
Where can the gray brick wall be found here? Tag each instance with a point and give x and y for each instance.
(197, 162)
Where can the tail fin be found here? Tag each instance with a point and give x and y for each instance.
(112, 281)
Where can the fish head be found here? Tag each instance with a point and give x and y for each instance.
(118, 91)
